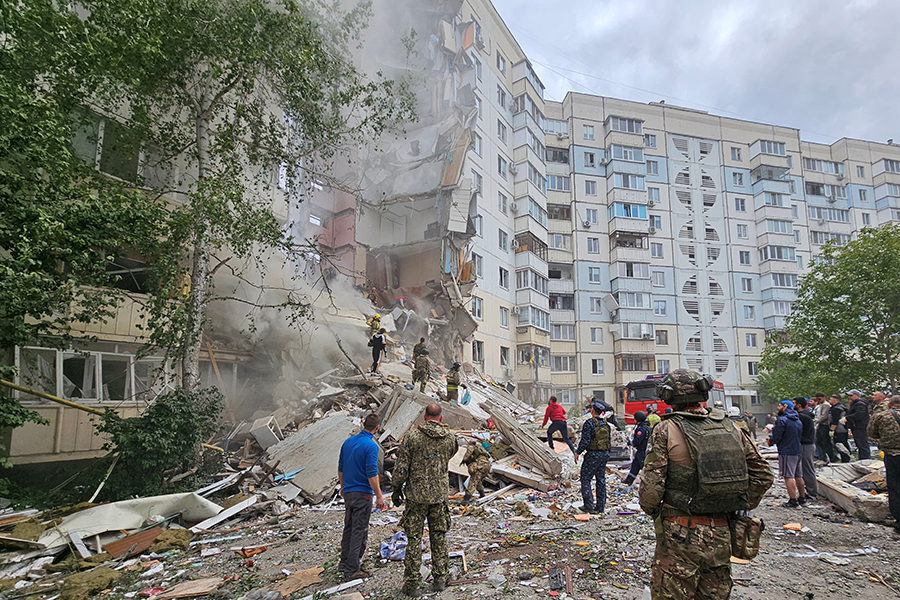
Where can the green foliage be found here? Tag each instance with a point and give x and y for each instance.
(168, 436)
(791, 378)
(844, 330)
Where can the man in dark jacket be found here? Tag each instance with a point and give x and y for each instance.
(378, 342)
(786, 435)
(807, 448)
(885, 428)
(639, 439)
(823, 432)
(858, 421)
(838, 425)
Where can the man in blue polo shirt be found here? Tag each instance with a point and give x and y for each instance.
(358, 475)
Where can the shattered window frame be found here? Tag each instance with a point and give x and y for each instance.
(478, 352)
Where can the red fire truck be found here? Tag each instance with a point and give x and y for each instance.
(640, 394)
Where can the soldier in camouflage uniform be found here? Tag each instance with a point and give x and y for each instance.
(420, 349)
(478, 461)
(878, 403)
(421, 371)
(421, 478)
(700, 469)
(884, 428)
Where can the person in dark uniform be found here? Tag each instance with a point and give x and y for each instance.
(639, 439)
(378, 343)
(594, 444)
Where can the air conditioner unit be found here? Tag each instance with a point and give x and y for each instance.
(647, 336)
(821, 221)
(840, 176)
(562, 136)
(651, 230)
(515, 244)
(513, 168)
(604, 161)
(514, 207)
(831, 199)
(515, 310)
(651, 202)
(587, 224)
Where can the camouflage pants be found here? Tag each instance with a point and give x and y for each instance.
(413, 524)
(691, 564)
(453, 396)
(477, 472)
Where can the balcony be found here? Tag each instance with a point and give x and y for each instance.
(629, 284)
(618, 165)
(887, 202)
(774, 323)
(562, 316)
(626, 196)
(778, 266)
(778, 294)
(529, 296)
(770, 185)
(629, 254)
(532, 373)
(629, 346)
(561, 286)
(769, 160)
(626, 225)
(633, 315)
(525, 153)
(524, 186)
(767, 238)
(525, 223)
(624, 139)
(528, 334)
(555, 255)
(766, 211)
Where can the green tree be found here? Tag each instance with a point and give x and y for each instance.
(844, 328)
(230, 91)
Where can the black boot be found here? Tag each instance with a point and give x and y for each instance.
(467, 498)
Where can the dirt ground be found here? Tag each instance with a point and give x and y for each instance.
(609, 556)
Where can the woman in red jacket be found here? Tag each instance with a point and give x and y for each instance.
(556, 414)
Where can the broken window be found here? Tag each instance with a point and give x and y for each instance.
(116, 374)
(37, 369)
(79, 375)
(504, 356)
(478, 351)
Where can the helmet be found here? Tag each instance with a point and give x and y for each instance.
(719, 404)
(455, 366)
(734, 411)
(684, 386)
(640, 416)
(377, 316)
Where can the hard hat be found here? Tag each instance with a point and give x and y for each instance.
(734, 411)
(377, 316)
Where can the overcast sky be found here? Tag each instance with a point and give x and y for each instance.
(828, 67)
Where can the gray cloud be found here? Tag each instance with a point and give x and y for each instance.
(827, 67)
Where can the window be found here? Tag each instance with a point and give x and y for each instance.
(594, 274)
(656, 250)
(526, 278)
(633, 299)
(478, 221)
(560, 241)
(562, 301)
(478, 264)
(504, 317)
(823, 166)
(504, 356)
(596, 305)
(860, 171)
(795, 212)
(785, 280)
(662, 337)
(590, 215)
(628, 181)
(659, 279)
(746, 285)
(590, 187)
(477, 68)
(597, 366)
(740, 204)
(828, 191)
(588, 132)
(820, 237)
(504, 278)
(750, 340)
(557, 155)
(656, 221)
(626, 125)
(753, 368)
(589, 160)
(634, 270)
(863, 196)
(477, 180)
(744, 257)
(742, 232)
(628, 362)
(477, 307)
(652, 167)
(779, 226)
(501, 96)
(562, 364)
(478, 351)
(649, 140)
(315, 220)
(556, 126)
(777, 253)
(628, 153)
(502, 202)
(562, 332)
(893, 189)
(501, 167)
(501, 63)
(776, 148)
(596, 335)
(735, 153)
(501, 131)
(662, 366)
(782, 308)
(502, 240)
(773, 199)
(628, 211)
(749, 312)
(478, 108)
(477, 139)
(738, 179)
(866, 219)
(558, 182)
(659, 308)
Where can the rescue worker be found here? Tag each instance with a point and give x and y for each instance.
(639, 439)
(884, 428)
(420, 349)
(421, 370)
(734, 413)
(750, 419)
(653, 418)
(374, 323)
(700, 468)
(453, 377)
(478, 462)
(421, 480)
(594, 443)
(378, 344)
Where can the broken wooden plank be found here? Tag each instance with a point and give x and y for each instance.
(225, 514)
(187, 589)
(525, 478)
(525, 443)
(79, 545)
(496, 494)
(298, 580)
(132, 544)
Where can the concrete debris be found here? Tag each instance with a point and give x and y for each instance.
(859, 488)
